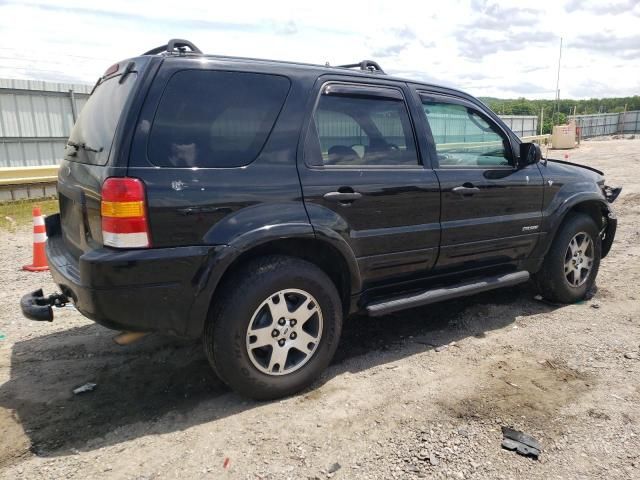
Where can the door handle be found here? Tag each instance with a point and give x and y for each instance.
(462, 190)
(342, 197)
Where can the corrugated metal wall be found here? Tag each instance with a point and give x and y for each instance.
(608, 123)
(522, 125)
(35, 120)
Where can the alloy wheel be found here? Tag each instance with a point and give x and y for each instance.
(284, 332)
(578, 259)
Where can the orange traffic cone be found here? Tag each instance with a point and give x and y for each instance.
(39, 239)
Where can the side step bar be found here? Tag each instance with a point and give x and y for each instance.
(377, 309)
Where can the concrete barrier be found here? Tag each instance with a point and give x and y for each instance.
(19, 183)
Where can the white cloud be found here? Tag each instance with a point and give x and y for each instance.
(506, 49)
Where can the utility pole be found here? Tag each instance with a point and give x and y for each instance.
(558, 82)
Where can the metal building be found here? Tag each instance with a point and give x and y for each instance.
(35, 120)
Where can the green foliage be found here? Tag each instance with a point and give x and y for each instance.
(19, 212)
(522, 106)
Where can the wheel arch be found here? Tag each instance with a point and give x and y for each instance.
(333, 258)
(598, 209)
(320, 253)
(593, 208)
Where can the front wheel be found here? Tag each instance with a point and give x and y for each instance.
(570, 267)
(274, 327)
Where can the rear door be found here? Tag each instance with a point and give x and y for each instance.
(491, 210)
(364, 179)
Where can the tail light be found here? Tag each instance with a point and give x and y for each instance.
(124, 213)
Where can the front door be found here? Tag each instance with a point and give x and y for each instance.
(491, 210)
(363, 179)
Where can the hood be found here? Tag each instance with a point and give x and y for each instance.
(564, 162)
(570, 171)
(573, 178)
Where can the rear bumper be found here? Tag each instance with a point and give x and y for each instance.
(166, 290)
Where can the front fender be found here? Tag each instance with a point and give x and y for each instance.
(557, 211)
(565, 196)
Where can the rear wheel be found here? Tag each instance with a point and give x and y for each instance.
(571, 265)
(274, 327)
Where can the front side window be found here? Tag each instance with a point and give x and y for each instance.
(360, 131)
(215, 119)
(464, 139)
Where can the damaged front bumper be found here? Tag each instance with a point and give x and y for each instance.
(608, 232)
(611, 193)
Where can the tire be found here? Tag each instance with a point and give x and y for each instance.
(242, 318)
(559, 282)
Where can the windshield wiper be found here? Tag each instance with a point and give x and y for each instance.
(84, 146)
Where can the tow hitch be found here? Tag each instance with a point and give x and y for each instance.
(35, 306)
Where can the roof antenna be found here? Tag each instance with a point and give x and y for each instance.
(546, 152)
(558, 86)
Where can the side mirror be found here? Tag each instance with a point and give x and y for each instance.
(530, 153)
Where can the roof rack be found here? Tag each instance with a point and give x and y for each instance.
(365, 65)
(175, 45)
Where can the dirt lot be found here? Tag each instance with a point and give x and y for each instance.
(417, 394)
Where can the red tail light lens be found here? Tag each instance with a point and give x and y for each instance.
(124, 213)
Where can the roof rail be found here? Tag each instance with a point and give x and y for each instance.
(366, 65)
(175, 45)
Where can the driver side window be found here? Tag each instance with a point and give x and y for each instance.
(360, 131)
(464, 139)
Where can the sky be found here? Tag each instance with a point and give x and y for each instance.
(504, 49)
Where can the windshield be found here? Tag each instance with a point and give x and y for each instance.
(92, 135)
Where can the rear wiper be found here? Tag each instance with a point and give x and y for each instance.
(84, 146)
(91, 149)
(128, 69)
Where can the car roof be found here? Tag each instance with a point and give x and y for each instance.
(310, 67)
(181, 48)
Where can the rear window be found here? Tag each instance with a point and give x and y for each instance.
(215, 119)
(92, 135)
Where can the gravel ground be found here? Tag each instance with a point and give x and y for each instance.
(417, 394)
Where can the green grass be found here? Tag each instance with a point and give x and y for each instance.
(15, 214)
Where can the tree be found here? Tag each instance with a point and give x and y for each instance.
(522, 106)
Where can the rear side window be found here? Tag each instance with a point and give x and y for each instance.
(215, 119)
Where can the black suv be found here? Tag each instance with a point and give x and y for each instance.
(256, 203)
